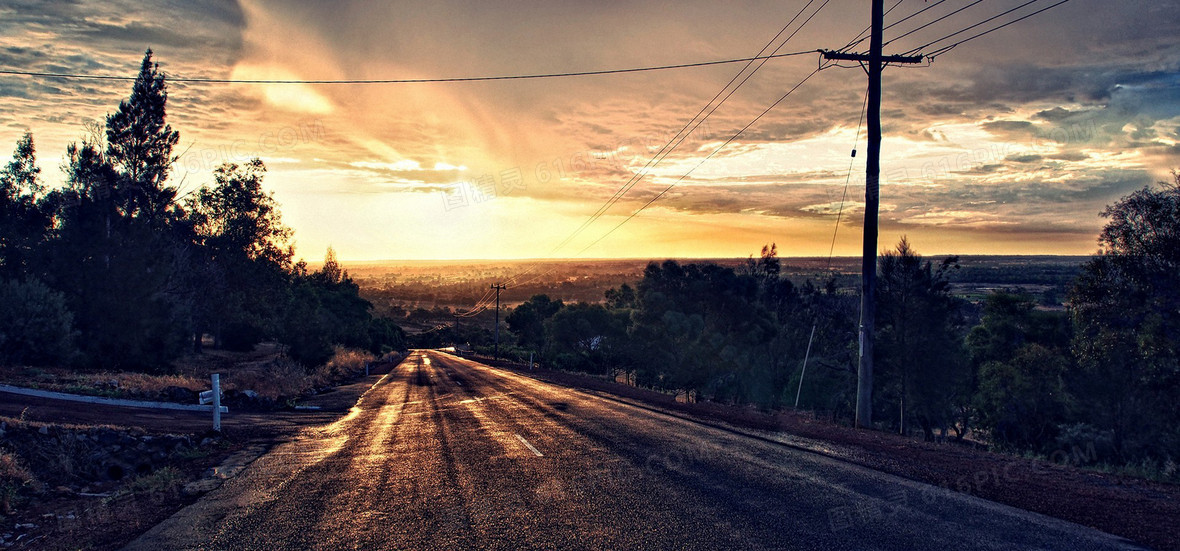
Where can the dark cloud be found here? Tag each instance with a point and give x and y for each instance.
(1024, 159)
(1011, 130)
(1060, 99)
(1069, 157)
(1054, 115)
(980, 170)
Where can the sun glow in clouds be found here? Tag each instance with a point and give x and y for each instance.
(298, 98)
(984, 151)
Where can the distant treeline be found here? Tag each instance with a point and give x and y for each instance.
(116, 270)
(1101, 376)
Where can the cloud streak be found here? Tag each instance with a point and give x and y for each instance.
(1012, 143)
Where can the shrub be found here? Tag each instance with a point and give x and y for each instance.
(167, 480)
(1097, 445)
(275, 380)
(1022, 401)
(344, 363)
(35, 326)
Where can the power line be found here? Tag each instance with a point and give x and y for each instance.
(681, 135)
(675, 141)
(847, 179)
(720, 147)
(892, 40)
(707, 157)
(863, 36)
(961, 31)
(411, 80)
(775, 104)
(945, 49)
(907, 18)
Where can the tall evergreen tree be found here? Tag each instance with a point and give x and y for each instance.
(139, 146)
(122, 254)
(24, 215)
(919, 349)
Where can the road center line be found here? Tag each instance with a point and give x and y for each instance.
(529, 446)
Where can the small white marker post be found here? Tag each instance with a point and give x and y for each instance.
(217, 402)
(530, 361)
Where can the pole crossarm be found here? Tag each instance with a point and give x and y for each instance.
(842, 56)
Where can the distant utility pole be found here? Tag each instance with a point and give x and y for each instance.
(876, 61)
(498, 288)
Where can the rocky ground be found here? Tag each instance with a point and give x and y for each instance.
(105, 474)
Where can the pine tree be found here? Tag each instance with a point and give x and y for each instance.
(122, 252)
(139, 146)
(24, 216)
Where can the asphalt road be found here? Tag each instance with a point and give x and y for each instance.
(445, 453)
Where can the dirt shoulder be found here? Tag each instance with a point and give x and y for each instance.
(1139, 510)
(107, 514)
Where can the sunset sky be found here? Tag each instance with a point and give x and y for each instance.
(1009, 144)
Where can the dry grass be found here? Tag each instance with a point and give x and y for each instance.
(103, 383)
(263, 370)
(345, 363)
(282, 378)
(13, 478)
(23, 423)
(277, 379)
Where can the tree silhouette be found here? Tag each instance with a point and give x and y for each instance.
(139, 146)
(243, 256)
(25, 213)
(918, 345)
(1126, 311)
(527, 321)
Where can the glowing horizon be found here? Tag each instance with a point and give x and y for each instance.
(987, 151)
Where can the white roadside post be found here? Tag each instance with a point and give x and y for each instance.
(530, 361)
(217, 402)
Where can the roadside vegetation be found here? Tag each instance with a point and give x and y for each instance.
(1098, 378)
(119, 271)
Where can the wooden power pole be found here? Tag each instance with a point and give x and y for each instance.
(875, 62)
(498, 288)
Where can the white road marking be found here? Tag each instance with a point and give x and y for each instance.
(529, 446)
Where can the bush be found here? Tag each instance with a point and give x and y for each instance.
(385, 336)
(35, 326)
(284, 378)
(276, 380)
(1022, 401)
(1097, 445)
(163, 481)
(344, 364)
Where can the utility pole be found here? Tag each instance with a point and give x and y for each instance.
(876, 61)
(498, 288)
